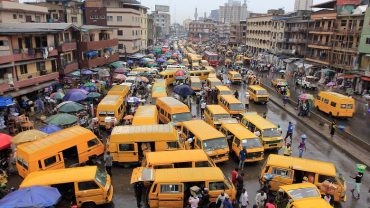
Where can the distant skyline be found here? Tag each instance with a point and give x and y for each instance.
(183, 9)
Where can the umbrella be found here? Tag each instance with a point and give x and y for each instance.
(183, 90)
(306, 96)
(180, 73)
(116, 65)
(5, 141)
(174, 55)
(34, 196)
(50, 129)
(6, 101)
(28, 136)
(71, 107)
(103, 73)
(228, 61)
(128, 117)
(87, 72)
(130, 61)
(133, 100)
(76, 73)
(161, 60)
(144, 79)
(93, 95)
(282, 84)
(95, 69)
(119, 70)
(75, 95)
(150, 55)
(282, 71)
(57, 95)
(119, 77)
(61, 119)
(330, 84)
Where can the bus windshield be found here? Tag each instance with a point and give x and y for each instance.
(261, 92)
(220, 116)
(213, 144)
(101, 177)
(236, 106)
(181, 117)
(304, 193)
(273, 132)
(251, 143)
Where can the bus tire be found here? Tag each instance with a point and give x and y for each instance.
(88, 205)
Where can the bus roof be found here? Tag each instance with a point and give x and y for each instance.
(172, 102)
(194, 79)
(119, 88)
(213, 79)
(234, 72)
(338, 95)
(256, 87)
(188, 174)
(60, 176)
(110, 100)
(146, 132)
(287, 188)
(39, 147)
(296, 163)
(202, 130)
(145, 111)
(259, 121)
(222, 88)
(176, 156)
(230, 99)
(216, 109)
(239, 130)
(311, 202)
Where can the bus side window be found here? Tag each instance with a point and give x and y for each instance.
(216, 186)
(199, 144)
(92, 142)
(154, 188)
(251, 127)
(87, 185)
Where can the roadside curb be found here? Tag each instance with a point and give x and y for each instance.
(320, 133)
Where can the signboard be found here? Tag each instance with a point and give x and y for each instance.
(162, 8)
(348, 2)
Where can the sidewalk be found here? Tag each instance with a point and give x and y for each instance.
(351, 149)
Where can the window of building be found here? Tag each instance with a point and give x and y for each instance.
(343, 23)
(120, 46)
(119, 32)
(23, 69)
(133, 33)
(37, 19)
(119, 18)
(14, 16)
(74, 19)
(55, 16)
(4, 43)
(102, 17)
(367, 40)
(109, 18)
(20, 16)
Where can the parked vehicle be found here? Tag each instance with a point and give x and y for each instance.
(307, 82)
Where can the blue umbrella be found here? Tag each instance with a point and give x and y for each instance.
(183, 90)
(87, 72)
(75, 95)
(133, 100)
(50, 129)
(6, 101)
(161, 60)
(35, 196)
(130, 61)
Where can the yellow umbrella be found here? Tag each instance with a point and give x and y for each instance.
(171, 61)
(28, 136)
(228, 60)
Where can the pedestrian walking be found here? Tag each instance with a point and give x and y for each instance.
(285, 100)
(333, 125)
(236, 94)
(302, 145)
(239, 186)
(234, 174)
(247, 101)
(270, 204)
(202, 107)
(108, 159)
(244, 199)
(287, 149)
(205, 199)
(242, 157)
(289, 133)
(227, 203)
(261, 199)
(357, 187)
(194, 201)
(220, 199)
(138, 188)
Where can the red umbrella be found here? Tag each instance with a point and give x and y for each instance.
(180, 73)
(5, 141)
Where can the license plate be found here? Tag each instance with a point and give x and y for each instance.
(273, 145)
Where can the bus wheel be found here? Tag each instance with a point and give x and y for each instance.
(88, 205)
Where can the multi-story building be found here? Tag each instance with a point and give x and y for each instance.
(238, 33)
(223, 31)
(162, 20)
(215, 15)
(144, 29)
(125, 16)
(28, 56)
(15, 12)
(97, 46)
(259, 33)
(302, 5)
(62, 11)
(201, 30)
(186, 24)
(277, 33)
(233, 11)
(364, 55)
(151, 31)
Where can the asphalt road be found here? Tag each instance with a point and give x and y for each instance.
(317, 148)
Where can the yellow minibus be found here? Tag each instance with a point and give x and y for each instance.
(239, 137)
(169, 76)
(291, 170)
(335, 104)
(231, 105)
(86, 186)
(172, 187)
(214, 114)
(172, 110)
(130, 143)
(145, 115)
(234, 77)
(213, 82)
(202, 74)
(222, 90)
(71, 146)
(111, 106)
(269, 132)
(258, 94)
(195, 83)
(121, 90)
(195, 158)
(159, 90)
(205, 137)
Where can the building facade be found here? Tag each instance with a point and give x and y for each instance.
(162, 20)
(302, 5)
(259, 33)
(151, 31)
(201, 30)
(277, 34)
(232, 12)
(15, 12)
(295, 37)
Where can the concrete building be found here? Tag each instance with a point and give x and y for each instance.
(186, 24)
(300, 5)
(259, 33)
(201, 30)
(215, 15)
(223, 31)
(238, 33)
(15, 12)
(233, 11)
(364, 55)
(151, 31)
(162, 20)
(144, 30)
(277, 33)
(62, 11)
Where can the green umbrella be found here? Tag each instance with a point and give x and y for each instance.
(71, 107)
(116, 65)
(61, 119)
(93, 95)
(76, 73)
(89, 84)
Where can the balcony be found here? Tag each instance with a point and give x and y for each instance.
(96, 45)
(28, 54)
(319, 44)
(99, 61)
(318, 59)
(67, 46)
(69, 67)
(321, 30)
(35, 79)
(6, 59)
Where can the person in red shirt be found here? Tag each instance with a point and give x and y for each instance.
(234, 174)
(270, 204)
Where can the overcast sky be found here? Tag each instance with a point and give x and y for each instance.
(182, 9)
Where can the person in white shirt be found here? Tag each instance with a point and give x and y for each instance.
(193, 201)
(244, 199)
(261, 199)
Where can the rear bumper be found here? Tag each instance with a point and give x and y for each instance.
(273, 146)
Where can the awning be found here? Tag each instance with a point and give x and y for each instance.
(30, 89)
(365, 78)
(346, 76)
(90, 54)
